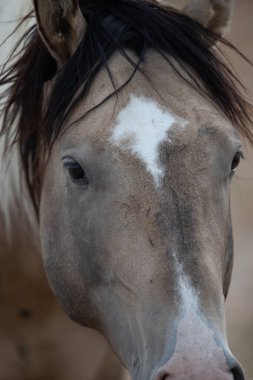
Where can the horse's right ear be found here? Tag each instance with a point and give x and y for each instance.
(213, 14)
(61, 26)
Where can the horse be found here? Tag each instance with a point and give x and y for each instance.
(124, 127)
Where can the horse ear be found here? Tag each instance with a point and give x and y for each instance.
(213, 14)
(61, 26)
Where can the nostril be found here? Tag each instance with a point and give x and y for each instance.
(237, 372)
(163, 375)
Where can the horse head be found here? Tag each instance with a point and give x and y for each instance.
(140, 129)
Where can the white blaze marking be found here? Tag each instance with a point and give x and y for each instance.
(141, 126)
(195, 339)
(197, 355)
(188, 294)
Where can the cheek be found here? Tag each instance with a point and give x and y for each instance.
(55, 240)
(66, 265)
(52, 230)
(72, 253)
(50, 215)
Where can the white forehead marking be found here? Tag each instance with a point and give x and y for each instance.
(141, 126)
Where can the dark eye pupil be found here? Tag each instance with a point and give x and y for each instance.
(236, 161)
(76, 172)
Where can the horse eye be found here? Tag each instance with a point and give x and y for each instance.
(236, 161)
(76, 172)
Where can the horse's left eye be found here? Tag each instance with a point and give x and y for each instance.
(236, 161)
(76, 172)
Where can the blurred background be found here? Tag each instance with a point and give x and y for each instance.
(240, 300)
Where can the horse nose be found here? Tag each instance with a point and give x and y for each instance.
(201, 376)
(167, 373)
(237, 371)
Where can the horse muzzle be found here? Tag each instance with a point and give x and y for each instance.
(192, 371)
(200, 353)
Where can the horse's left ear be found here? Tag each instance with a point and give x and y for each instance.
(213, 14)
(61, 26)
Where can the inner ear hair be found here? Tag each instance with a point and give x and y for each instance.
(61, 26)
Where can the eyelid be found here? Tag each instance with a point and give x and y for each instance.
(239, 149)
(68, 160)
(241, 154)
(69, 164)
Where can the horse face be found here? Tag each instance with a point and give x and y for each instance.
(135, 219)
(135, 225)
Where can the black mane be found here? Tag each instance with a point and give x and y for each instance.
(113, 25)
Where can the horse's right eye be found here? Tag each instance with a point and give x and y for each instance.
(76, 172)
(236, 161)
